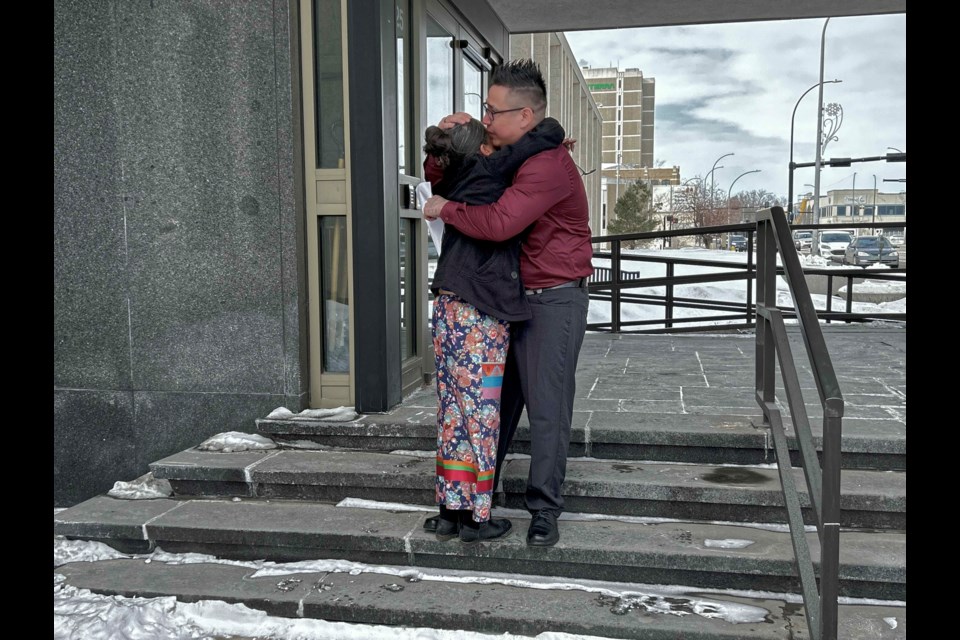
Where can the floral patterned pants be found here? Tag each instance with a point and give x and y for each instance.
(471, 349)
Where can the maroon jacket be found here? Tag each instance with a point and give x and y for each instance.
(547, 195)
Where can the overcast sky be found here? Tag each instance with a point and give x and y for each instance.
(732, 88)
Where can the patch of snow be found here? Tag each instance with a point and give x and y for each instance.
(146, 487)
(232, 441)
(730, 543)
(338, 414)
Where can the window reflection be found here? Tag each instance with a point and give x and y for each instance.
(439, 72)
(328, 84)
(336, 301)
(408, 288)
(472, 89)
(401, 94)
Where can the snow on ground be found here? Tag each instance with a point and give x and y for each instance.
(726, 291)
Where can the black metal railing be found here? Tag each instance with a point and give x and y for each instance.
(823, 482)
(622, 284)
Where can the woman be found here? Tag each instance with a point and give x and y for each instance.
(478, 293)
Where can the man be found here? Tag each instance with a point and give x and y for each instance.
(547, 203)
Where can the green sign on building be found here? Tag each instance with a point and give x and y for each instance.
(602, 86)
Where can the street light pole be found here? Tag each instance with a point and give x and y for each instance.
(816, 170)
(730, 190)
(874, 204)
(792, 165)
(712, 176)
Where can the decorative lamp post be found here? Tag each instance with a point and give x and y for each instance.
(792, 117)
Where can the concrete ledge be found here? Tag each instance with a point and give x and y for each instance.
(697, 437)
(384, 599)
(873, 565)
(705, 492)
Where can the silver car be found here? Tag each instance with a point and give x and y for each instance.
(803, 240)
(867, 250)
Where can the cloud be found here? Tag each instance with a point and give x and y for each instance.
(724, 88)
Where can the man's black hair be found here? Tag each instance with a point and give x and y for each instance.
(522, 77)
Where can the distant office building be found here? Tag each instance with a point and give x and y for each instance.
(840, 206)
(570, 102)
(626, 101)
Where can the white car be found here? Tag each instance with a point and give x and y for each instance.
(833, 244)
(895, 240)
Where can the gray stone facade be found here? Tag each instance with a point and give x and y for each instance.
(179, 291)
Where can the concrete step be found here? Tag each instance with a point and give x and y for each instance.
(498, 604)
(872, 499)
(604, 431)
(873, 564)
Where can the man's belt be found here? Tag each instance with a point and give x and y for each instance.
(579, 282)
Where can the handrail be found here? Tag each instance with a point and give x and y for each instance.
(771, 234)
(823, 483)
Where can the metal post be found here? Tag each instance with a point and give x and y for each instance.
(853, 210)
(874, 230)
(615, 290)
(816, 179)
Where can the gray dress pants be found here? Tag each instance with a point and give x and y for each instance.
(540, 374)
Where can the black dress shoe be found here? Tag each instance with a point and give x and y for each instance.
(430, 524)
(490, 531)
(543, 531)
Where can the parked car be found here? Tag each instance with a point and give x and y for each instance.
(736, 242)
(895, 239)
(803, 240)
(833, 245)
(867, 250)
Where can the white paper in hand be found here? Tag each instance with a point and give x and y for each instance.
(435, 227)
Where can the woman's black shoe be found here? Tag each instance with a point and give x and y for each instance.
(448, 524)
(475, 532)
(430, 524)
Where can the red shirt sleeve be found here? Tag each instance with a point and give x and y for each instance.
(539, 184)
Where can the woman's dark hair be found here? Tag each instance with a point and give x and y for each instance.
(459, 142)
(524, 79)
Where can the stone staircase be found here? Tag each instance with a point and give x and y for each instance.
(674, 525)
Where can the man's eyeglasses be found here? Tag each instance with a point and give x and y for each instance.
(490, 111)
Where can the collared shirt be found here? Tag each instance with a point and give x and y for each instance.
(547, 195)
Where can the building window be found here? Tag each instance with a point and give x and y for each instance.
(439, 72)
(841, 210)
(328, 85)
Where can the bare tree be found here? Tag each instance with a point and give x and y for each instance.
(696, 208)
(744, 205)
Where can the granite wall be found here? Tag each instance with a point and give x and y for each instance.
(179, 286)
